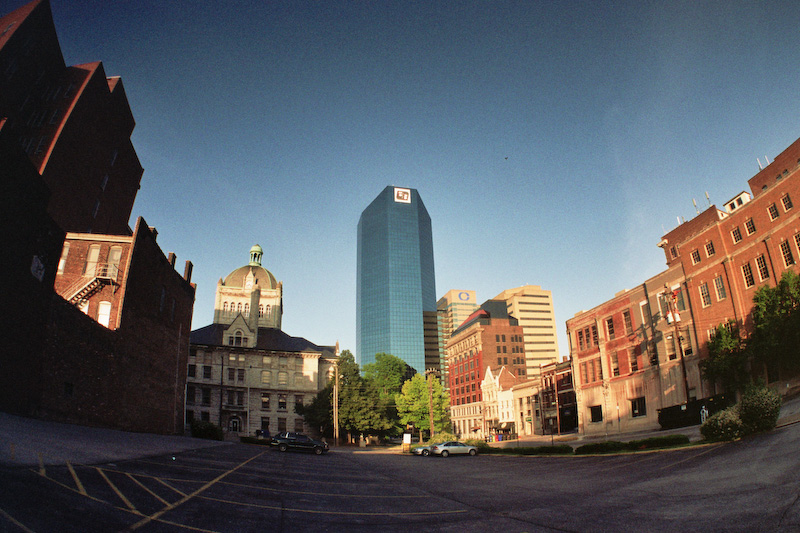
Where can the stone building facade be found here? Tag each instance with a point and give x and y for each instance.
(245, 374)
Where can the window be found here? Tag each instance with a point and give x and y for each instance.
(104, 313)
(205, 416)
(747, 272)
(594, 334)
(580, 340)
(763, 271)
(786, 252)
(283, 378)
(638, 407)
(750, 226)
(686, 342)
(266, 377)
(670, 348)
(240, 397)
(737, 235)
(190, 395)
(191, 371)
(298, 399)
(787, 202)
(206, 396)
(634, 361)
(773, 211)
(719, 286)
(265, 360)
(298, 425)
(797, 240)
(231, 374)
(626, 317)
(584, 373)
(705, 295)
(265, 424)
(614, 364)
(673, 252)
(63, 261)
(610, 327)
(240, 375)
(695, 256)
(281, 402)
(281, 425)
(92, 256)
(596, 413)
(709, 248)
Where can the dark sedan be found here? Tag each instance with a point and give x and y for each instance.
(289, 440)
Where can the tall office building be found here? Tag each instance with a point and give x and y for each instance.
(533, 307)
(396, 292)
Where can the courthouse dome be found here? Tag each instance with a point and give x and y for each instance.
(262, 277)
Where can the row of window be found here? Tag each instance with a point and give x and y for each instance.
(638, 408)
(235, 397)
(265, 422)
(234, 308)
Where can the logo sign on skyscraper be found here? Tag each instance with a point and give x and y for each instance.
(402, 196)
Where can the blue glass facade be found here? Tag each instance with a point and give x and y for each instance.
(395, 278)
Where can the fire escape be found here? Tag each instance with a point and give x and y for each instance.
(104, 274)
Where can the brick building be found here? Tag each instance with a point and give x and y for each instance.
(125, 312)
(489, 339)
(640, 351)
(69, 166)
(73, 122)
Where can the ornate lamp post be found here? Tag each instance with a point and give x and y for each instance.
(673, 317)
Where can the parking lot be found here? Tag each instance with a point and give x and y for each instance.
(745, 486)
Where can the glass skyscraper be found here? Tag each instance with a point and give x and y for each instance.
(396, 292)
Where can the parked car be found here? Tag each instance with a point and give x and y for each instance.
(453, 447)
(289, 440)
(422, 450)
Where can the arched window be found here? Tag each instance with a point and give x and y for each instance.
(239, 307)
(237, 338)
(247, 310)
(225, 308)
(114, 257)
(261, 310)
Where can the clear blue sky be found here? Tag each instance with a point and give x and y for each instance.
(553, 143)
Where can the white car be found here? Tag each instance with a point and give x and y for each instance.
(453, 447)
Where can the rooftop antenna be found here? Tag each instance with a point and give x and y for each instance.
(766, 159)
(679, 220)
(694, 202)
(708, 199)
(759, 164)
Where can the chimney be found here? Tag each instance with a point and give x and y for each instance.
(187, 272)
(171, 259)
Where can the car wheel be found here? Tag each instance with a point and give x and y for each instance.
(318, 450)
(426, 453)
(473, 452)
(282, 447)
(445, 453)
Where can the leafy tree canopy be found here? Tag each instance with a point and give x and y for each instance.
(413, 404)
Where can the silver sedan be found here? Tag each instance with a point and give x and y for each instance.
(453, 447)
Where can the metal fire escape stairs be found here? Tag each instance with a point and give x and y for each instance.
(82, 289)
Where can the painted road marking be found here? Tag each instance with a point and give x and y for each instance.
(76, 479)
(15, 521)
(153, 494)
(122, 497)
(185, 499)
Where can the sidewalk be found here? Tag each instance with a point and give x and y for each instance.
(31, 442)
(790, 414)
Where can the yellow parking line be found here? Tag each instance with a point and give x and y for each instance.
(313, 493)
(76, 479)
(153, 494)
(170, 486)
(115, 489)
(710, 448)
(15, 521)
(344, 513)
(146, 520)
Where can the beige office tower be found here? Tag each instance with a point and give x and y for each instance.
(453, 309)
(532, 306)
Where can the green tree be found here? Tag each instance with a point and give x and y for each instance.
(319, 412)
(388, 373)
(775, 342)
(727, 361)
(361, 409)
(413, 404)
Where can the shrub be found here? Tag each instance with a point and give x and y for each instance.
(206, 430)
(482, 445)
(759, 409)
(724, 425)
(601, 447)
(662, 441)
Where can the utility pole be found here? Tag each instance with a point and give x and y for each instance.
(430, 373)
(674, 315)
(336, 403)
